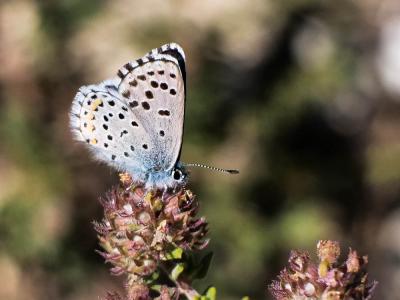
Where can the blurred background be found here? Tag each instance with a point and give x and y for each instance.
(302, 96)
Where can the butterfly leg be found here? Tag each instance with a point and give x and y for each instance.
(129, 187)
(164, 193)
(126, 181)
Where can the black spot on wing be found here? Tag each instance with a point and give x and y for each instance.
(149, 94)
(164, 112)
(146, 105)
(126, 93)
(123, 132)
(181, 61)
(133, 103)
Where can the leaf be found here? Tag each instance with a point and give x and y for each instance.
(177, 253)
(200, 270)
(156, 287)
(246, 298)
(174, 254)
(152, 278)
(177, 270)
(211, 293)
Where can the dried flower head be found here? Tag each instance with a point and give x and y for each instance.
(328, 251)
(143, 230)
(326, 280)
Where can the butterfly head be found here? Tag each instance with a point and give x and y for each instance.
(175, 177)
(179, 175)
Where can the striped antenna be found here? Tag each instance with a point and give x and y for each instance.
(212, 168)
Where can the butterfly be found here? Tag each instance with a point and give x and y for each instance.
(134, 121)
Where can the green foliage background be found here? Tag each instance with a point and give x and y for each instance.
(289, 92)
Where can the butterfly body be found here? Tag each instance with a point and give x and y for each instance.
(134, 121)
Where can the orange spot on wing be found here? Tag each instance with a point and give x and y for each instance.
(91, 127)
(96, 104)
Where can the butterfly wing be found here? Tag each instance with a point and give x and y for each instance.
(154, 88)
(135, 122)
(101, 120)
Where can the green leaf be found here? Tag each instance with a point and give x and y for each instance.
(246, 298)
(211, 293)
(177, 270)
(153, 277)
(176, 253)
(200, 270)
(156, 287)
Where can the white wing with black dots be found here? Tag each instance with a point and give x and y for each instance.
(134, 122)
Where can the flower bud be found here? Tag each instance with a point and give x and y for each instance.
(325, 280)
(328, 251)
(141, 228)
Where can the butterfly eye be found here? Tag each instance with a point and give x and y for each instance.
(177, 174)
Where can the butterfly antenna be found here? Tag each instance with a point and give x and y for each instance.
(213, 168)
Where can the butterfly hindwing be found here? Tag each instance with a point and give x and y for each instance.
(105, 124)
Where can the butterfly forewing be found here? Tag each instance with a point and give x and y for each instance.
(155, 93)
